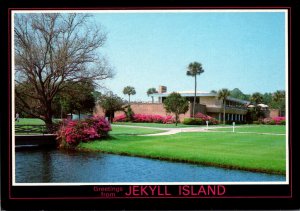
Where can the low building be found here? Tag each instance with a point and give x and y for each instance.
(208, 103)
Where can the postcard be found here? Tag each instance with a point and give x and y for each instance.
(149, 108)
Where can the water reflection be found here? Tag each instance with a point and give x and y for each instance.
(43, 166)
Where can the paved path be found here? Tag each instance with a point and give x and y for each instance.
(170, 131)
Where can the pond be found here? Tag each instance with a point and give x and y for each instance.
(56, 166)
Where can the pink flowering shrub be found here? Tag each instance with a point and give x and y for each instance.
(148, 118)
(205, 118)
(274, 120)
(279, 120)
(120, 118)
(85, 130)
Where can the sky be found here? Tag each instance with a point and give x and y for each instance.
(244, 50)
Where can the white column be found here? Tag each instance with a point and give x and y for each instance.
(242, 117)
(219, 116)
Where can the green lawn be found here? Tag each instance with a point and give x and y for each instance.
(30, 121)
(119, 130)
(159, 125)
(254, 152)
(277, 129)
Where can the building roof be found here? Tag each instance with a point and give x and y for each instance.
(198, 94)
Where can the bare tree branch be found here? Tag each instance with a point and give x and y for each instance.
(51, 49)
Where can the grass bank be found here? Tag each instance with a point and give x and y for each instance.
(252, 152)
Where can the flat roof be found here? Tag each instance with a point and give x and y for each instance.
(198, 94)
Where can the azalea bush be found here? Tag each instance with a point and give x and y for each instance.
(204, 118)
(120, 118)
(274, 121)
(71, 133)
(147, 118)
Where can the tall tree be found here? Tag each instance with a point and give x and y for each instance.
(256, 98)
(279, 100)
(195, 69)
(223, 94)
(176, 104)
(75, 97)
(151, 91)
(111, 103)
(51, 49)
(129, 90)
(80, 97)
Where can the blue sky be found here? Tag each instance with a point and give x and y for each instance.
(244, 50)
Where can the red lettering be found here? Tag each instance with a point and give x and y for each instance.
(135, 190)
(153, 189)
(186, 190)
(202, 190)
(211, 191)
(143, 191)
(221, 190)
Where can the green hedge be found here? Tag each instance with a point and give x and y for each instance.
(192, 121)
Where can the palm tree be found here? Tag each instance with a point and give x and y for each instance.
(223, 95)
(151, 91)
(256, 98)
(129, 90)
(195, 69)
(279, 97)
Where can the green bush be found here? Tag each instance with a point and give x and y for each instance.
(272, 122)
(129, 114)
(282, 122)
(256, 122)
(192, 121)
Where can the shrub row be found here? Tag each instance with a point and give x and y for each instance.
(271, 121)
(146, 118)
(71, 133)
(200, 119)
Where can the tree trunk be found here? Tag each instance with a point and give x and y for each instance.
(48, 118)
(224, 116)
(49, 124)
(152, 99)
(176, 119)
(79, 114)
(195, 96)
(129, 98)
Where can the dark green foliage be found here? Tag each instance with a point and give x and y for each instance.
(195, 69)
(223, 94)
(151, 91)
(129, 114)
(110, 104)
(192, 121)
(256, 98)
(237, 93)
(176, 104)
(129, 90)
(76, 97)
